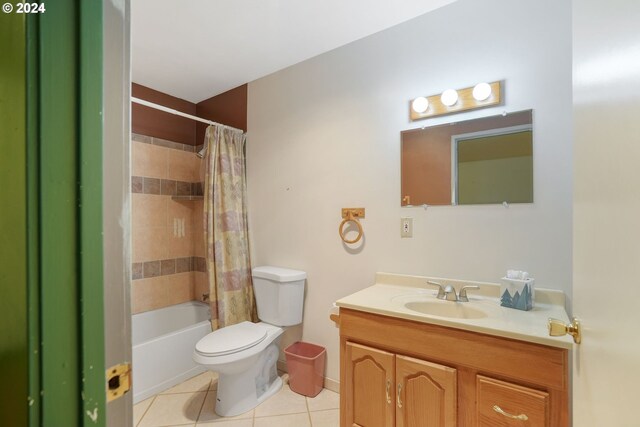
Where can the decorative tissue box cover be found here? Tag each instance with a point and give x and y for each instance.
(517, 293)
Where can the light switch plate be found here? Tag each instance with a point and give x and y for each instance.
(406, 227)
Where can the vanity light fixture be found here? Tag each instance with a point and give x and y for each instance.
(420, 104)
(449, 97)
(454, 101)
(481, 91)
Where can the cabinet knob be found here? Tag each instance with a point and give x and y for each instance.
(398, 397)
(521, 417)
(388, 389)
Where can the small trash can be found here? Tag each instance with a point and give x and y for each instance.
(305, 363)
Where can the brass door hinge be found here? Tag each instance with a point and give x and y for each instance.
(118, 381)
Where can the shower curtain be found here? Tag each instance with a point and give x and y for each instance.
(226, 230)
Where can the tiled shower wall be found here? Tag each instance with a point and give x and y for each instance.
(167, 235)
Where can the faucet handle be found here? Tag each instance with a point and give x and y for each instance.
(463, 292)
(440, 288)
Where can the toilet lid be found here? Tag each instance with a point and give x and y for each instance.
(231, 339)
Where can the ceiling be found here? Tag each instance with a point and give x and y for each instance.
(200, 48)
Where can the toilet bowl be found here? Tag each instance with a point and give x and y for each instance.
(245, 354)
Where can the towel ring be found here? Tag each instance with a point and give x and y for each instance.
(350, 218)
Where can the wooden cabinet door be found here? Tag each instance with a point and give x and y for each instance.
(370, 397)
(503, 404)
(426, 394)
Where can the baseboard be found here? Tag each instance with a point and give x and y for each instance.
(332, 385)
(329, 384)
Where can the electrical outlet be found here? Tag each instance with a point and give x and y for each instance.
(406, 227)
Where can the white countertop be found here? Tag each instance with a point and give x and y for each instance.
(391, 291)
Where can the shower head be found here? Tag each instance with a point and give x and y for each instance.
(200, 153)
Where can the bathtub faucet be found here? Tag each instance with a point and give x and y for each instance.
(205, 297)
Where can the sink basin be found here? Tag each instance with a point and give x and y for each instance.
(446, 309)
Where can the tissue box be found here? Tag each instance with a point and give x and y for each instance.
(517, 293)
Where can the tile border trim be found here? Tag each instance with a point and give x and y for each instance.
(167, 267)
(162, 142)
(164, 187)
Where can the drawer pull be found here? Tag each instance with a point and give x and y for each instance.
(521, 417)
(388, 388)
(399, 398)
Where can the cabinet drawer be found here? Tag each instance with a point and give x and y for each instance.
(500, 403)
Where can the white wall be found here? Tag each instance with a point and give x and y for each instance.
(325, 134)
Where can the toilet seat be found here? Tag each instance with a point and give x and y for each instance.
(231, 339)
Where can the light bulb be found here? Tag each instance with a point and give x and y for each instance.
(481, 91)
(420, 104)
(449, 97)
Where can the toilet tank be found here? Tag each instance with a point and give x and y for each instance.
(279, 295)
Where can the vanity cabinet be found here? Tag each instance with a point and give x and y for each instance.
(369, 386)
(386, 389)
(403, 373)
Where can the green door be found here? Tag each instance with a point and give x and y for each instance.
(51, 274)
(13, 223)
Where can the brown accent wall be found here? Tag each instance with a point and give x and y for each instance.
(155, 123)
(229, 108)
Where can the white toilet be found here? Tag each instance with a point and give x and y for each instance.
(245, 355)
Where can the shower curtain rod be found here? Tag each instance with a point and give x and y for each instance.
(180, 113)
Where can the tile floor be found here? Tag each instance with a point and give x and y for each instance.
(191, 404)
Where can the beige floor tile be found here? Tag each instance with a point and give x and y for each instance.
(140, 408)
(330, 418)
(326, 399)
(292, 420)
(208, 415)
(283, 402)
(229, 423)
(174, 409)
(194, 400)
(198, 383)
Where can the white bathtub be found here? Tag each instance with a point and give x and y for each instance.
(163, 343)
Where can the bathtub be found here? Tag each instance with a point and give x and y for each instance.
(163, 343)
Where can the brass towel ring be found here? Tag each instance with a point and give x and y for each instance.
(350, 218)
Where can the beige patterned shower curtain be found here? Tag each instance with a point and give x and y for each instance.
(226, 230)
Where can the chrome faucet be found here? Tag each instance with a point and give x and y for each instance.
(463, 292)
(448, 292)
(440, 288)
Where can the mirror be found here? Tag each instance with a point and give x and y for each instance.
(481, 161)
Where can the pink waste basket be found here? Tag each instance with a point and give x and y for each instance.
(305, 362)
